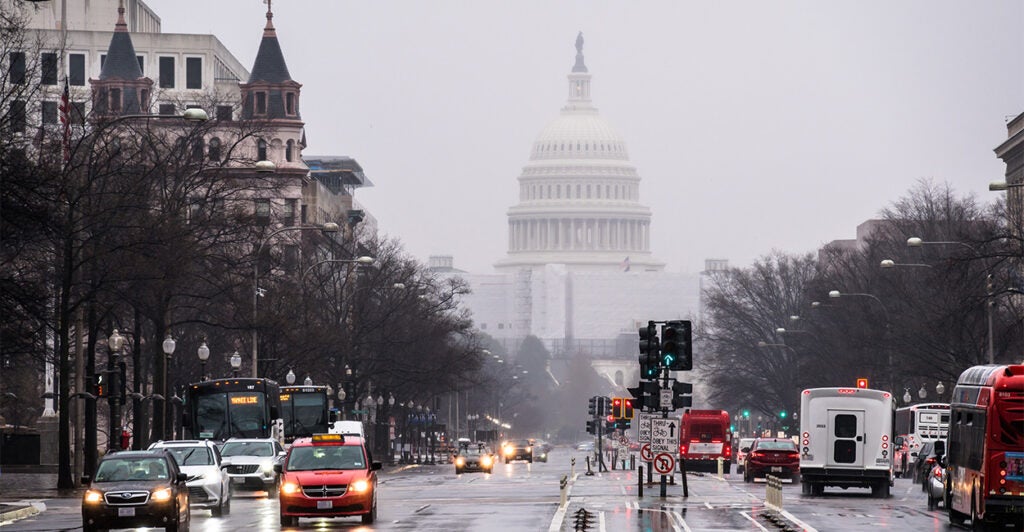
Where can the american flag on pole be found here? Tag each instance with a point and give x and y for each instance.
(65, 120)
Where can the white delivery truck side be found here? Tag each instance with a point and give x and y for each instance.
(846, 439)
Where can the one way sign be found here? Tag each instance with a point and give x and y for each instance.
(664, 436)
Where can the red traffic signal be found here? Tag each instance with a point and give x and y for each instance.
(862, 383)
(616, 408)
(627, 408)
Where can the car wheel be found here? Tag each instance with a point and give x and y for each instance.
(817, 490)
(226, 506)
(880, 490)
(371, 516)
(287, 520)
(805, 488)
(458, 471)
(747, 477)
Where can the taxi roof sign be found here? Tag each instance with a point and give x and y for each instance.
(325, 438)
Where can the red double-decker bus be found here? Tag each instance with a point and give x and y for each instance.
(985, 468)
(704, 437)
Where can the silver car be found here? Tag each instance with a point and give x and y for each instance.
(208, 484)
(250, 463)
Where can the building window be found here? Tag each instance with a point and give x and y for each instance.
(214, 149)
(261, 103)
(261, 150)
(193, 72)
(48, 65)
(166, 72)
(303, 214)
(262, 211)
(78, 113)
(501, 325)
(167, 109)
(76, 69)
(16, 68)
(49, 112)
(115, 100)
(483, 326)
(142, 63)
(289, 103)
(288, 150)
(197, 150)
(225, 113)
(18, 118)
(290, 208)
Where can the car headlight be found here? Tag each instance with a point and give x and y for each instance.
(485, 461)
(509, 451)
(289, 488)
(267, 467)
(162, 494)
(460, 461)
(360, 486)
(93, 497)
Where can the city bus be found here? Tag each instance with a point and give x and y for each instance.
(704, 437)
(917, 424)
(985, 453)
(846, 437)
(305, 411)
(233, 408)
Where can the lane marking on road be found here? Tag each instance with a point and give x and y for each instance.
(752, 520)
(792, 518)
(421, 508)
(556, 520)
(600, 521)
(708, 504)
(682, 522)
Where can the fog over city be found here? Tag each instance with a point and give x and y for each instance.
(754, 126)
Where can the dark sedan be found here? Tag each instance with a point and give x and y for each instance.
(134, 489)
(772, 456)
(518, 450)
(474, 458)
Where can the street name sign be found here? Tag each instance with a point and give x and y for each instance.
(665, 435)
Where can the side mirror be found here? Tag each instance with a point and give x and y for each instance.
(182, 477)
(375, 466)
(278, 468)
(745, 449)
(940, 448)
(914, 454)
(85, 480)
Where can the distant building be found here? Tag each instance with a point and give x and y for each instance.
(579, 273)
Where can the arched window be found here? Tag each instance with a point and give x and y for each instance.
(214, 149)
(197, 150)
(261, 150)
(618, 377)
(288, 149)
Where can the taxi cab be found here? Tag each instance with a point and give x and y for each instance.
(328, 475)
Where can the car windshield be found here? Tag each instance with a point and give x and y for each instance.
(248, 448)
(192, 456)
(522, 443)
(316, 458)
(120, 470)
(776, 446)
(473, 451)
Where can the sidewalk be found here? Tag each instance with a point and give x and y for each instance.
(20, 494)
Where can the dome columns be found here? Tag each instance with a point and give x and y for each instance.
(579, 234)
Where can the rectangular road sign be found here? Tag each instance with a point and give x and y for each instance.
(666, 398)
(644, 427)
(664, 435)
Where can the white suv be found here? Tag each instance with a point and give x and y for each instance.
(208, 484)
(251, 462)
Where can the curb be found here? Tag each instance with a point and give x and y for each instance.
(23, 512)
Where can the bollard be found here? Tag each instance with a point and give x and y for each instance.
(562, 496)
(632, 461)
(720, 462)
(640, 482)
(589, 472)
(572, 467)
(773, 492)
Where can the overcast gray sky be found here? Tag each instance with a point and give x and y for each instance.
(754, 125)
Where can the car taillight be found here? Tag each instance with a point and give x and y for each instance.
(930, 460)
(757, 454)
(682, 449)
(937, 472)
(728, 451)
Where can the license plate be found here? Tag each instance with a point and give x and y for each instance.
(237, 480)
(126, 512)
(324, 505)
(776, 469)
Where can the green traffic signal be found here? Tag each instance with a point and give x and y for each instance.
(746, 413)
(782, 414)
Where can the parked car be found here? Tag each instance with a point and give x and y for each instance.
(134, 489)
(250, 463)
(741, 454)
(775, 456)
(208, 484)
(328, 475)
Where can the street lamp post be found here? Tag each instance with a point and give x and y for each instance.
(290, 377)
(115, 343)
(308, 381)
(836, 294)
(939, 389)
(204, 355)
(329, 227)
(168, 349)
(916, 242)
(236, 363)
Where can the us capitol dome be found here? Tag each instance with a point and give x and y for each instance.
(579, 195)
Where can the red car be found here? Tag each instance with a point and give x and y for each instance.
(772, 456)
(328, 475)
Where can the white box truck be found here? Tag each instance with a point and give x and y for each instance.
(846, 439)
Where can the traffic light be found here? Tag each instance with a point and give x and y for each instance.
(676, 348)
(604, 406)
(627, 409)
(609, 424)
(746, 414)
(102, 387)
(862, 383)
(680, 395)
(782, 414)
(649, 351)
(591, 427)
(592, 407)
(616, 408)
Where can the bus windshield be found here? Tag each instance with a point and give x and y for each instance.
(306, 414)
(239, 414)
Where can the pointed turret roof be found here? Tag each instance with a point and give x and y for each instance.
(269, 66)
(121, 61)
